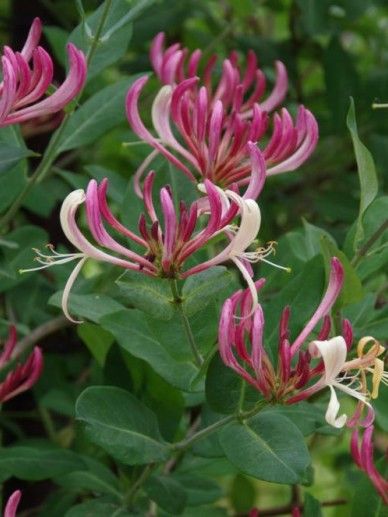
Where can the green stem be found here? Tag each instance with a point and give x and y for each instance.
(188, 442)
(47, 423)
(130, 496)
(96, 37)
(186, 324)
(360, 254)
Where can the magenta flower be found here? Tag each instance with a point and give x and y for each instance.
(12, 504)
(23, 376)
(168, 242)
(214, 138)
(174, 64)
(362, 452)
(239, 324)
(25, 84)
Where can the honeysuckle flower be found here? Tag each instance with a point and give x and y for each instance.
(362, 452)
(23, 376)
(25, 84)
(216, 142)
(175, 64)
(12, 504)
(241, 346)
(167, 243)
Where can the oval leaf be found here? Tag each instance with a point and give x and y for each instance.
(121, 425)
(267, 447)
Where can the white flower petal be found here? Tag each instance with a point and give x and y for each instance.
(332, 411)
(333, 353)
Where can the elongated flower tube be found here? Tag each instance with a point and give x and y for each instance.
(12, 504)
(215, 143)
(241, 345)
(297, 374)
(362, 452)
(22, 92)
(24, 375)
(168, 242)
(175, 64)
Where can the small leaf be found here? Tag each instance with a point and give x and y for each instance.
(96, 478)
(366, 172)
(98, 508)
(96, 339)
(150, 295)
(167, 493)
(267, 447)
(312, 507)
(201, 289)
(37, 463)
(10, 155)
(121, 425)
(90, 306)
(223, 388)
(96, 116)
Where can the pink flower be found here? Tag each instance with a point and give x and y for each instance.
(174, 64)
(168, 242)
(240, 326)
(214, 127)
(362, 452)
(23, 87)
(214, 141)
(23, 376)
(12, 504)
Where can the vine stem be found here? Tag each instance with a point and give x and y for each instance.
(369, 243)
(189, 333)
(51, 151)
(187, 442)
(130, 496)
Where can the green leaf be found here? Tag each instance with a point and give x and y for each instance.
(150, 295)
(201, 289)
(115, 36)
(98, 508)
(96, 116)
(366, 500)
(12, 180)
(242, 494)
(200, 489)
(10, 155)
(312, 507)
(121, 425)
(25, 238)
(163, 344)
(305, 416)
(57, 38)
(352, 290)
(268, 447)
(96, 339)
(97, 479)
(366, 173)
(167, 493)
(90, 306)
(37, 463)
(224, 387)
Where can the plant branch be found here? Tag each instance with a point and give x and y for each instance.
(360, 254)
(44, 330)
(186, 324)
(130, 496)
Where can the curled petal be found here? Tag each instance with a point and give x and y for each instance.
(333, 289)
(13, 502)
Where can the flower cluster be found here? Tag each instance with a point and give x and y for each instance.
(216, 124)
(27, 76)
(224, 136)
(23, 376)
